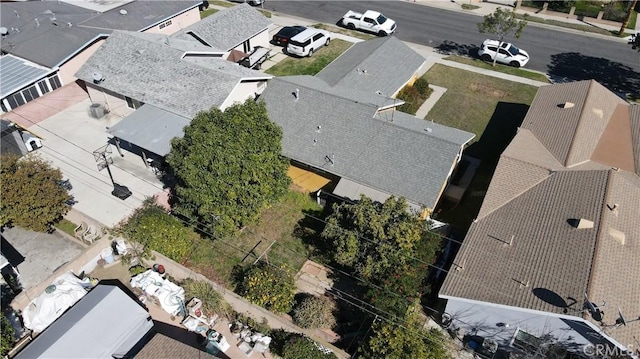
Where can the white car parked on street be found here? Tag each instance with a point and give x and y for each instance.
(507, 54)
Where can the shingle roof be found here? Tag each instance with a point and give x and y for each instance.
(155, 73)
(162, 346)
(363, 147)
(41, 41)
(49, 45)
(383, 64)
(18, 73)
(635, 134)
(533, 194)
(571, 134)
(140, 15)
(227, 28)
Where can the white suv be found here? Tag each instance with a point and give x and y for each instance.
(308, 41)
(508, 53)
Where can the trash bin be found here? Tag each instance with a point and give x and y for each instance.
(107, 255)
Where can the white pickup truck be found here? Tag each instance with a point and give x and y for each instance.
(371, 21)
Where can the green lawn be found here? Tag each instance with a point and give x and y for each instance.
(278, 229)
(208, 12)
(66, 226)
(499, 68)
(310, 65)
(221, 3)
(490, 107)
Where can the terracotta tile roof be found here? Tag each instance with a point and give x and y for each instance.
(563, 164)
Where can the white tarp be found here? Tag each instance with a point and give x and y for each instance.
(64, 292)
(170, 296)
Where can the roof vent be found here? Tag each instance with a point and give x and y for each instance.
(428, 129)
(296, 94)
(617, 235)
(4, 31)
(598, 112)
(580, 223)
(69, 24)
(567, 105)
(318, 128)
(97, 77)
(123, 12)
(613, 207)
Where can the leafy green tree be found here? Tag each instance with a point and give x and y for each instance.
(300, 347)
(372, 237)
(269, 287)
(7, 336)
(501, 23)
(406, 339)
(32, 196)
(228, 167)
(315, 312)
(150, 227)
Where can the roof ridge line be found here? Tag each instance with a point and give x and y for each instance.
(346, 51)
(578, 125)
(551, 173)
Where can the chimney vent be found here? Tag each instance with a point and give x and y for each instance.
(296, 94)
(580, 223)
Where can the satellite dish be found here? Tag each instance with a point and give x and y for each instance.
(621, 320)
(593, 309)
(123, 12)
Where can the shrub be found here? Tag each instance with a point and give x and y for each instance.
(269, 287)
(422, 85)
(315, 312)
(212, 301)
(615, 11)
(152, 228)
(300, 347)
(137, 269)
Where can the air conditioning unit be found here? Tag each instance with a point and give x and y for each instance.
(97, 110)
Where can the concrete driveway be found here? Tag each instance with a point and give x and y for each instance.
(69, 138)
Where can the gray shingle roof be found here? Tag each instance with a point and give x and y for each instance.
(635, 135)
(154, 73)
(46, 44)
(227, 28)
(383, 64)
(162, 346)
(151, 128)
(140, 15)
(532, 195)
(365, 149)
(18, 73)
(42, 42)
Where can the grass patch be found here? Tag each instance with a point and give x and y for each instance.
(208, 12)
(470, 7)
(499, 68)
(471, 98)
(66, 226)
(580, 27)
(490, 107)
(216, 259)
(221, 3)
(310, 65)
(632, 20)
(343, 31)
(266, 13)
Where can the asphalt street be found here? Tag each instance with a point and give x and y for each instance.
(563, 55)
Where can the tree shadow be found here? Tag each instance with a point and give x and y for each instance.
(453, 48)
(573, 66)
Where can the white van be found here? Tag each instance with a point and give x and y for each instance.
(308, 41)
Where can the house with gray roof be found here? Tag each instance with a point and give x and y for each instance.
(378, 153)
(239, 28)
(57, 37)
(343, 121)
(383, 66)
(552, 259)
(159, 83)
